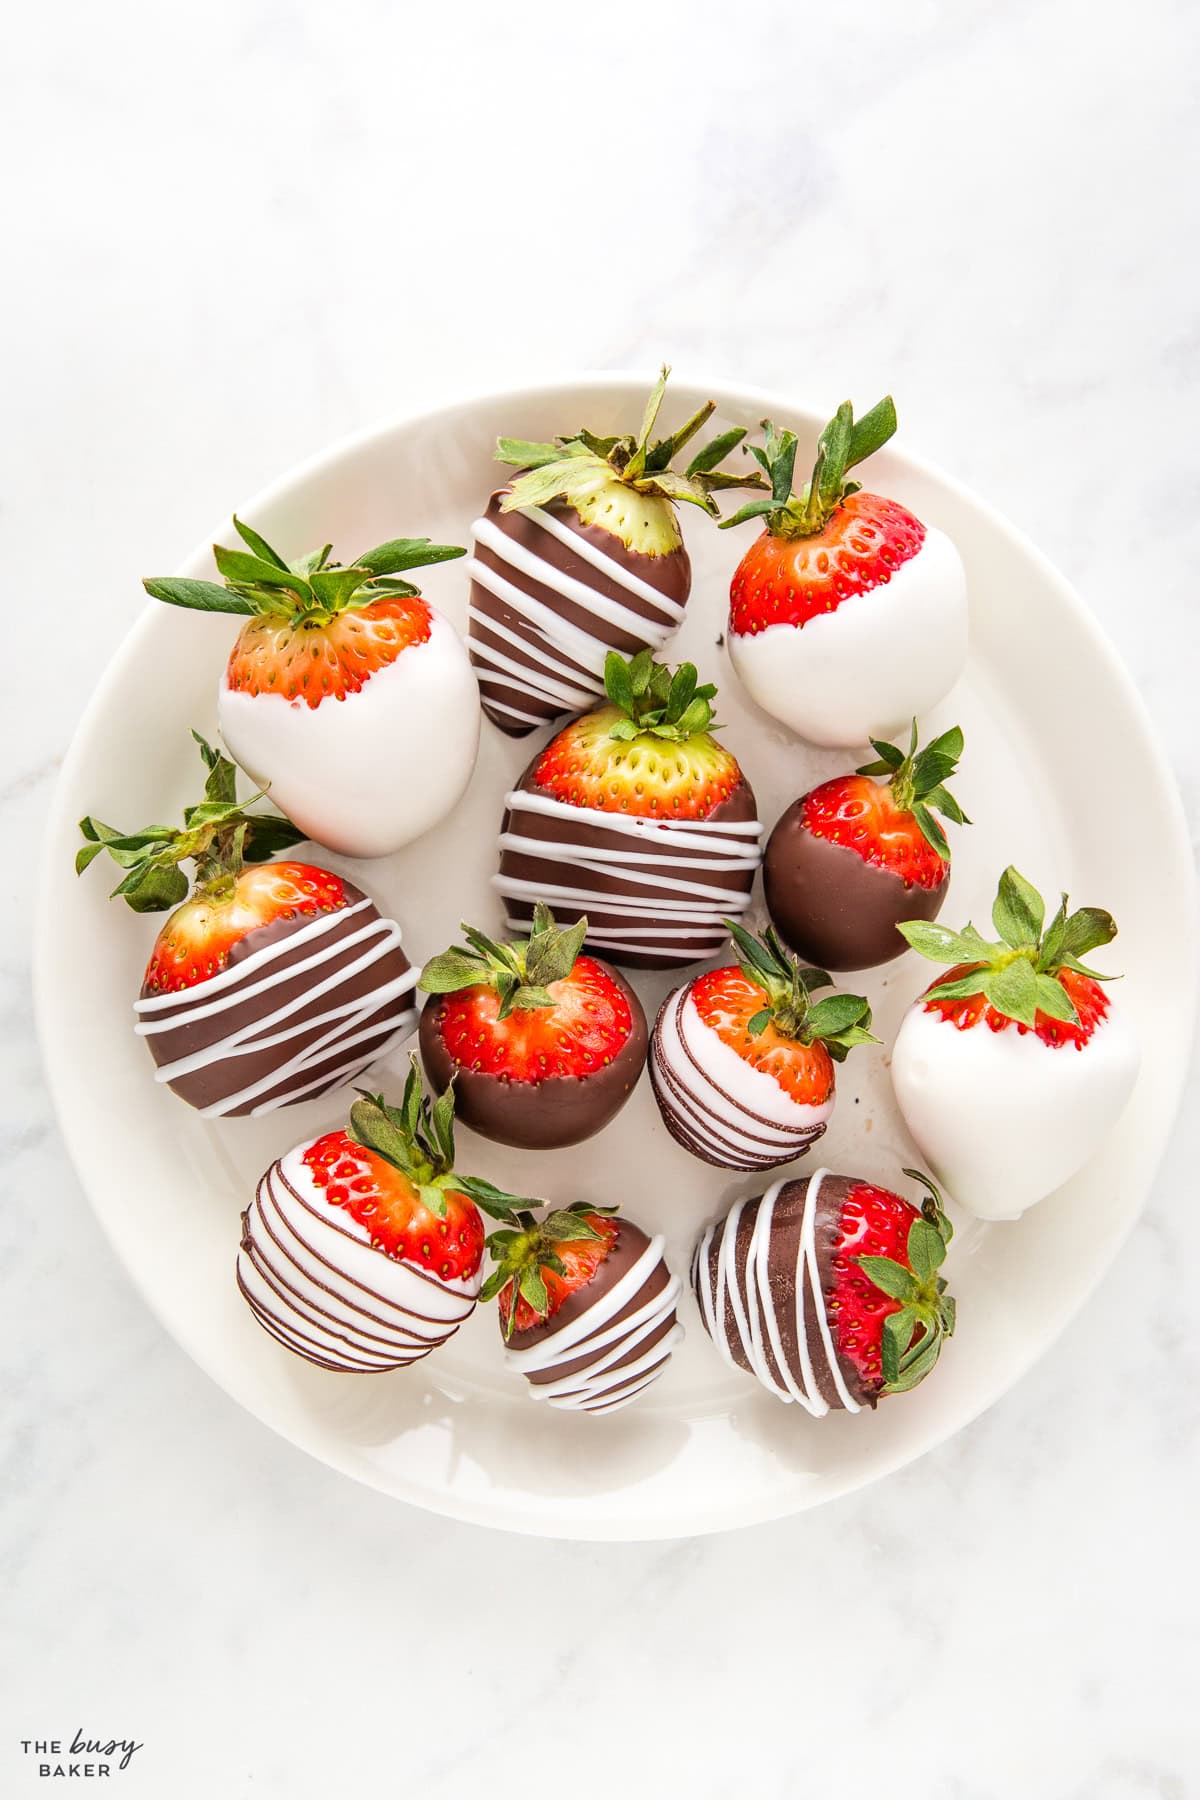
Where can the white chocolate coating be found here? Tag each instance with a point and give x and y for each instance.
(868, 667)
(605, 1340)
(366, 774)
(311, 1277)
(721, 1108)
(743, 1289)
(1001, 1118)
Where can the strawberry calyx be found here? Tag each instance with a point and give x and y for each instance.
(845, 442)
(570, 468)
(1019, 975)
(417, 1137)
(219, 835)
(531, 1276)
(310, 591)
(913, 1335)
(840, 1021)
(521, 972)
(656, 701)
(917, 782)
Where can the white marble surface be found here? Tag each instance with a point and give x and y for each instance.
(236, 233)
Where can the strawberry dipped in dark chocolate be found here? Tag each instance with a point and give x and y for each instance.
(637, 818)
(544, 1045)
(582, 554)
(848, 861)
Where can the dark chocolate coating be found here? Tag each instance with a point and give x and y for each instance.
(631, 1243)
(228, 1074)
(832, 906)
(671, 574)
(783, 1260)
(536, 1115)
(588, 831)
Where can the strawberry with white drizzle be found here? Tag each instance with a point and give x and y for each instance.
(828, 1289)
(581, 554)
(1011, 1070)
(272, 981)
(848, 615)
(342, 685)
(362, 1250)
(742, 1059)
(586, 1305)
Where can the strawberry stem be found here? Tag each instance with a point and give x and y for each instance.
(844, 443)
(918, 779)
(521, 972)
(840, 1021)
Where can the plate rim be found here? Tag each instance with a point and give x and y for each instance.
(445, 1501)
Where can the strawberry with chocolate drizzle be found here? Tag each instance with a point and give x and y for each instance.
(847, 861)
(582, 553)
(342, 683)
(362, 1250)
(848, 614)
(270, 982)
(586, 1305)
(1011, 1069)
(544, 1045)
(636, 818)
(742, 1059)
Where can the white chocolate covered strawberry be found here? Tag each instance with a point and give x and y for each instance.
(848, 616)
(347, 695)
(1012, 1069)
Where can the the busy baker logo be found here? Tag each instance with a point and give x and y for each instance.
(80, 1758)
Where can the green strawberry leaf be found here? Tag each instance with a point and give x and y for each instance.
(1019, 911)
(1012, 990)
(199, 596)
(892, 1278)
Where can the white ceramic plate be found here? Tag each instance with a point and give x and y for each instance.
(1058, 746)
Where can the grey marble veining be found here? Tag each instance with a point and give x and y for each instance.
(239, 233)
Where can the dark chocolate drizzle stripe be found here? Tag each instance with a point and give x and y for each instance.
(666, 886)
(706, 1118)
(756, 1277)
(600, 1361)
(208, 1038)
(320, 1315)
(538, 634)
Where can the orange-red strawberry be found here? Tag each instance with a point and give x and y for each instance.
(649, 753)
(311, 661)
(337, 672)
(541, 1268)
(886, 1303)
(386, 1203)
(776, 1104)
(1083, 993)
(842, 910)
(544, 1045)
(848, 615)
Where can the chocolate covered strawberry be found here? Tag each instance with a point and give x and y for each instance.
(363, 1248)
(847, 861)
(742, 1059)
(347, 694)
(544, 1045)
(582, 554)
(828, 1289)
(636, 817)
(270, 982)
(1012, 1068)
(586, 1305)
(848, 615)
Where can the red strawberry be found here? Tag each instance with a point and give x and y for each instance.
(337, 670)
(361, 1250)
(637, 818)
(848, 615)
(544, 1045)
(327, 999)
(776, 1105)
(386, 1202)
(886, 1303)
(1012, 1068)
(849, 860)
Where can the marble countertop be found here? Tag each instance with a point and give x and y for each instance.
(238, 239)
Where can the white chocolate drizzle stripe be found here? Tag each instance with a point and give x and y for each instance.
(234, 974)
(564, 666)
(703, 832)
(514, 887)
(581, 593)
(555, 852)
(533, 680)
(607, 565)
